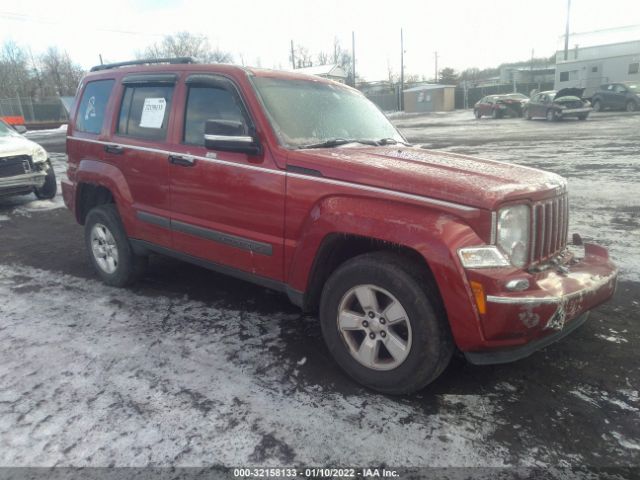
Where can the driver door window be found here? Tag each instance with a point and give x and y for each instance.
(208, 103)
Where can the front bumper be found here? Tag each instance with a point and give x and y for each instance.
(27, 180)
(516, 324)
(568, 112)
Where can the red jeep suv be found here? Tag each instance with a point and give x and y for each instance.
(302, 185)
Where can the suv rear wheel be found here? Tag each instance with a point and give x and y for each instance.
(597, 106)
(383, 324)
(109, 248)
(631, 106)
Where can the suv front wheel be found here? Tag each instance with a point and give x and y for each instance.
(383, 323)
(109, 248)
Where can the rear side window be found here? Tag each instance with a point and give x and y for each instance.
(92, 106)
(144, 112)
(208, 103)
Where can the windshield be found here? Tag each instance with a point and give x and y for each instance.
(516, 95)
(6, 130)
(310, 113)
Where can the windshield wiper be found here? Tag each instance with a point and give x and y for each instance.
(334, 142)
(391, 141)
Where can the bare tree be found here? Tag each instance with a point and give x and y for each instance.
(323, 58)
(302, 57)
(185, 44)
(14, 71)
(60, 76)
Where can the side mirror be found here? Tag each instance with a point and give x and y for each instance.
(21, 129)
(230, 136)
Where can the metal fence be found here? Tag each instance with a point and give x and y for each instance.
(35, 110)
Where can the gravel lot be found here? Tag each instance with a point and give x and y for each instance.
(190, 368)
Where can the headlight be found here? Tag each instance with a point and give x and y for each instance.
(513, 233)
(39, 155)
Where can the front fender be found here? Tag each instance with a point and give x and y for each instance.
(433, 234)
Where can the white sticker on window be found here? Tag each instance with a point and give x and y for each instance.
(153, 112)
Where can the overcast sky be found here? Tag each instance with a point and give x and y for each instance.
(466, 33)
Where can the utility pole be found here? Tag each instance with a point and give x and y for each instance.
(435, 54)
(401, 102)
(566, 32)
(293, 57)
(353, 56)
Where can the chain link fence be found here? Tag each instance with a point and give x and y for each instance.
(35, 111)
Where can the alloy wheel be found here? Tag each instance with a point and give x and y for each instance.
(375, 327)
(104, 248)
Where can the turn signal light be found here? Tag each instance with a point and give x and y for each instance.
(478, 293)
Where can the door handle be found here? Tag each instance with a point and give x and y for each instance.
(117, 149)
(182, 161)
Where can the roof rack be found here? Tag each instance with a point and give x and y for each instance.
(147, 61)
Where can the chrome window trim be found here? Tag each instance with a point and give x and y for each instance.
(229, 138)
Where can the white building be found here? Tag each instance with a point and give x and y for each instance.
(590, 67)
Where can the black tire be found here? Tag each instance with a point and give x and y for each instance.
(527, 114)
(477, 114)
(550, 115)
(583, 117)
(50, 186)
(631, 106)
(431, 345)
(130, 266)
(495, 114)
(597, 106)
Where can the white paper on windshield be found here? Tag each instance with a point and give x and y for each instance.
(153, 112)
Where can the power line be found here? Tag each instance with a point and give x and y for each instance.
(21, 17)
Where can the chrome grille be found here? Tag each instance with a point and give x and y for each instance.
(549, 227)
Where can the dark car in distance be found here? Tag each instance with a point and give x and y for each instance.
(556, 105)
(617, 96)
(499, 106)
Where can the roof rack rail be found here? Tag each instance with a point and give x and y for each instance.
(147, 61)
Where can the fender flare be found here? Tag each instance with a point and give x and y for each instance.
(434, 235)
(110, 177)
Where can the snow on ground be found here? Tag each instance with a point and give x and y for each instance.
(143, 365)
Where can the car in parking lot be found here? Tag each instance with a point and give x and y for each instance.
(556, 105)
(24, 166)
(617, 96)
(302, 185)
(499, 106)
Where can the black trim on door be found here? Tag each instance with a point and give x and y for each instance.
(154, 219)
(207, 233)
(224, 238)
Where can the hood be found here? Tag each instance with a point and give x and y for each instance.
(11, 145)
(445, 176)
(569, 92)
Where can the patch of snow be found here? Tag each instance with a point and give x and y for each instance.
(611, 338)
(625, 442)
(597, 398)
(193, 383)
